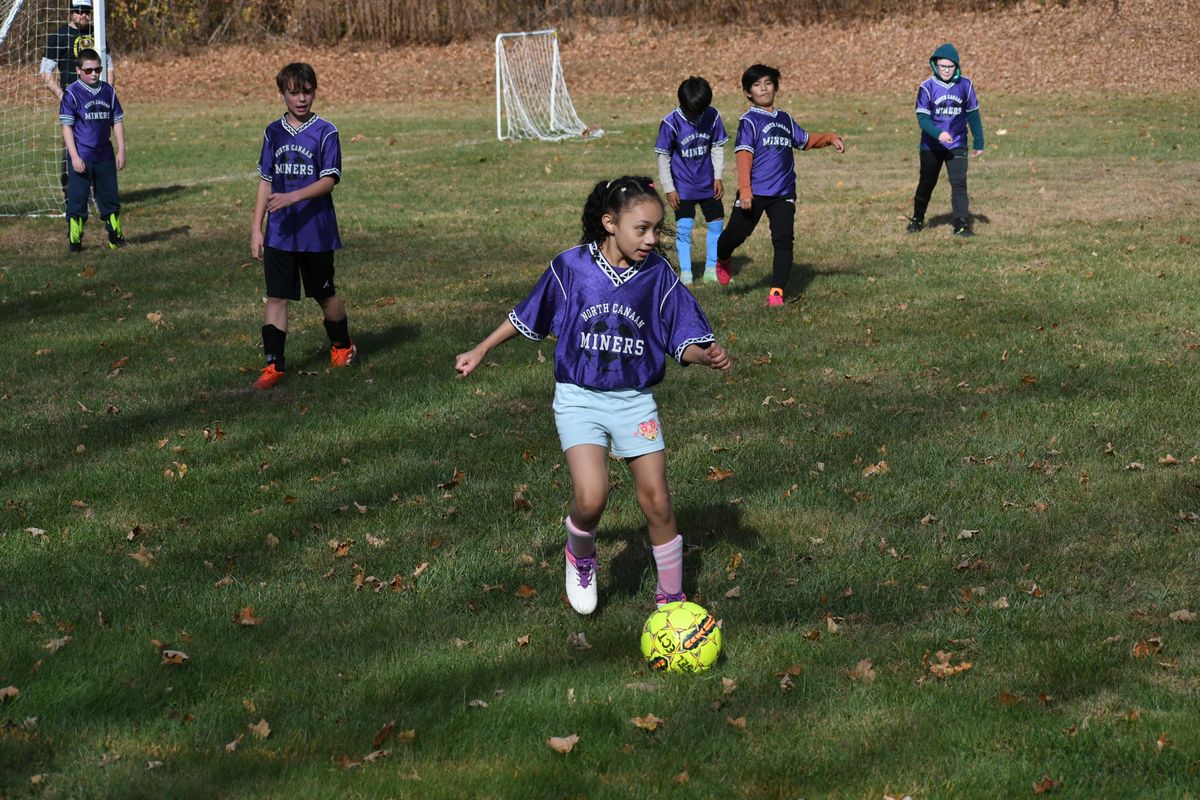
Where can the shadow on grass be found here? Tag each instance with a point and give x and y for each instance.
(160, 236)
(941, 220)
(152, 193)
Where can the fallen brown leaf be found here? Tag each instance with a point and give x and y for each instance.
(245, 616)
(260, 729)
(647, 723)
(863, 671)
(563, 744)
(174, 658)
(718, 474)
(383, 734)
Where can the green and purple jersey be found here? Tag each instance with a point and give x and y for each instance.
(291, 159)
(770, 137)
(614, 328)
(947, 106)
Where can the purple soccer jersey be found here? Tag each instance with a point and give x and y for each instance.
(614, 329)
(293, 158)
(689, 144)
(947, 104)
(91, 112)
(770, 136)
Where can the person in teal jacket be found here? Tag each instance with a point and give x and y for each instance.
(946, 107)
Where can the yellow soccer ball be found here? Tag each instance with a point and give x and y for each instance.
(681, 637)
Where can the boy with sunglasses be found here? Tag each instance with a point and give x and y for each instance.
(90, 114)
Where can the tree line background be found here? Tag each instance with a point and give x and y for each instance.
(154, 24)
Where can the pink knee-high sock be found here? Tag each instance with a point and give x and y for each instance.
(581, 543)
(668, 558)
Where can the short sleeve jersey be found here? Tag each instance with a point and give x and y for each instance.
(91, 112)
(770, 136)
(614, 328)
(291, 159)
(947, 104)
(689, 143)
(62, 46)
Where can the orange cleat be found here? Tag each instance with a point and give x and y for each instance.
(269, 377)
(342, 356)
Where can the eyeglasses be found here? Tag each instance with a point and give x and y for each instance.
(90, 70)
(946, 66)
(87, 11)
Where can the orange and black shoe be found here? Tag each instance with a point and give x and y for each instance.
(342, 356)
(269, 377)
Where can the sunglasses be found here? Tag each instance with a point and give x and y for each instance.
(90, 70)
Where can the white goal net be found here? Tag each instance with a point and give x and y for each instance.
(532, 101)
(30, 136)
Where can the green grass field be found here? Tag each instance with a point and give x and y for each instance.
(1026, 400)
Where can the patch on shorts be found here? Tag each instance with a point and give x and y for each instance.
(648, 429)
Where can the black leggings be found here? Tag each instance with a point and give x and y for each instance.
(956, 168)
(781, 212)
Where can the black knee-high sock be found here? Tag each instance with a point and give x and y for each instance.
(338, 332)
(274, 341)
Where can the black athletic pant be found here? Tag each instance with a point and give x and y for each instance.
(956, 168)
(781, 212)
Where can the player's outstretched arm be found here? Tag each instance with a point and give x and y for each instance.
(714, 356)
(466, 362)
(819, 140)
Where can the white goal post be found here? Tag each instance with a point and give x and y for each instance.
(31, 144)
(532, 101)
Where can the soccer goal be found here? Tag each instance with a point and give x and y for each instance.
(30, 136)
(532, 101)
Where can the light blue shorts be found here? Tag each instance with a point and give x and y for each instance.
(625, 420)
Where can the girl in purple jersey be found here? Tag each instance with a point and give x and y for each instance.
(618, 310)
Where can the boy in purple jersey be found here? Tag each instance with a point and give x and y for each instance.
(767, 176)
(618, 310)
(300, 164)
(691, 158)
(90, 113)
(946, 107)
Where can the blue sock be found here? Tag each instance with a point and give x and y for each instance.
(683, 246)
(710, 242)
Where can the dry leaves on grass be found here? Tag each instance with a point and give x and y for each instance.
(718, 474)
(647, 723)
(942, 668)
(245, 616)
(1182, 615)
(737, 723)
(864, 671)
(260, 729)
(174, 658)
(1046, 784)
(9, 693)
(563, 744)
(54, 645)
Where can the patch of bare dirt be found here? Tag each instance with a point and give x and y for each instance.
(1141, 45)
